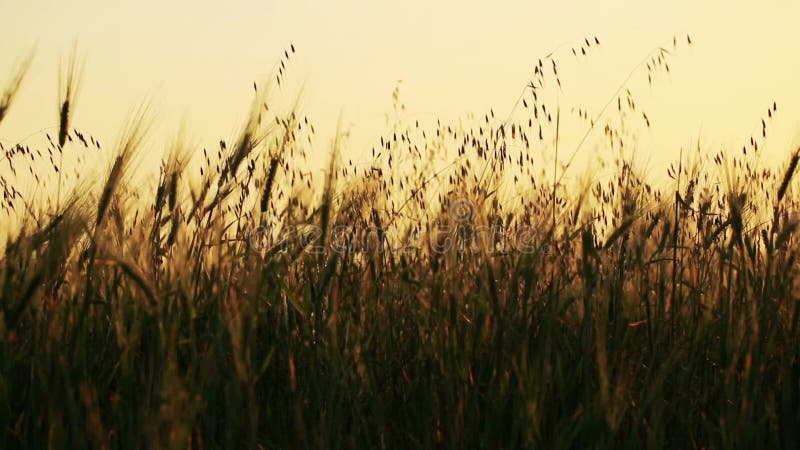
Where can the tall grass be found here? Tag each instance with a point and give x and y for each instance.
(414, 300)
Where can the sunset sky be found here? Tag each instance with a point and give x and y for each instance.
(197, 60)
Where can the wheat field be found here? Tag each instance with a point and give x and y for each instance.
(449, 292)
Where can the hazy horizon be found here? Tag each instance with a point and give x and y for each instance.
(196, 61)
(505, 225)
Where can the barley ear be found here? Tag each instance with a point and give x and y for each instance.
(10, 91)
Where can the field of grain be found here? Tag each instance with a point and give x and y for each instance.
(451, 292)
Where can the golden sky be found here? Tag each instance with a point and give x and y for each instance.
(197, 60)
